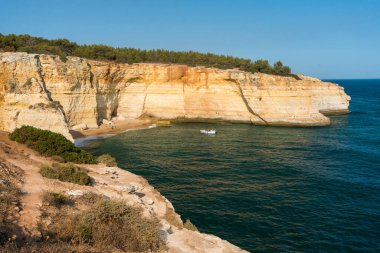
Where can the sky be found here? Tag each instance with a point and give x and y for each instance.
(322, 38)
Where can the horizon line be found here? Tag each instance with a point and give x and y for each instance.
(351, 78)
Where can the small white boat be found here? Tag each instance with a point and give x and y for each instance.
(208, 131)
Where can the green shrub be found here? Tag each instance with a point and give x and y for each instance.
(107, 160)
(51, 144)
(55, 199)
(68, 173)
(190, 226)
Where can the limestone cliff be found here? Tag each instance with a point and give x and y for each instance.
(24, 98)
(43, 91)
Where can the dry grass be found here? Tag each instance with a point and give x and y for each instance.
(190, 226)
(56, 199)
(44, 247)
(107, 160)
(90, 224)
(9, 198)
(106, 225)
(90, 198)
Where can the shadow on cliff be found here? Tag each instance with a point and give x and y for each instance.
(76, 134)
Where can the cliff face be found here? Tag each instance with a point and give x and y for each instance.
(89, 91)
(24, 97)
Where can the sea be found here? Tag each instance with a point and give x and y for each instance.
(270, 189)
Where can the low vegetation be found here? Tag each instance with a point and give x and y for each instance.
(10, 193)
(51, 144)
(107, 226)
(64, 48)
(66, 173)
(56, 199)
(90, 198)
(107, 160)
(81, 224)
(8, 196)
(58, 159)
(101, 225)
(190, 226)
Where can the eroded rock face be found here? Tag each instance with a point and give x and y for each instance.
(24, 98)
(90, 91)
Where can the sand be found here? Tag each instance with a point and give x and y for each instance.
(121, 126)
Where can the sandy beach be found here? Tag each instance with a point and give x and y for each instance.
(120, 126)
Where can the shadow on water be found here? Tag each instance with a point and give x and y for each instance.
(269, 188)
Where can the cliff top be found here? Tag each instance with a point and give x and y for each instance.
(47, 203)
(64, 48)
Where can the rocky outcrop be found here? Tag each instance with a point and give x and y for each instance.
(21, 165)
(86, 92)
(24, 98)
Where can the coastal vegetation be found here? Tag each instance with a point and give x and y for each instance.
(189, 225)
(105, 225)
(64, 48)
(107, 160)
(9, 195)
(51, 144)
(55, 199)
(87, 223)
(66, 173)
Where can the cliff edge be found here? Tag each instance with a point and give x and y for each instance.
(45, 92)
(21, 165)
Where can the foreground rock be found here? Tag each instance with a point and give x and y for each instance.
(43, 91)
(110, 182)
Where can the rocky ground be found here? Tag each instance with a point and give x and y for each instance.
(20, 166)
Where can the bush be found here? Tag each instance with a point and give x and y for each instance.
(55, 199)
(107, 160)
(69, 173)
(51, 144)
(190, 226)
(106, 225)
(91, 198)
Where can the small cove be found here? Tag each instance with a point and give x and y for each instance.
(269, 188)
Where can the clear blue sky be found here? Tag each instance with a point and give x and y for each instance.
(326, 39)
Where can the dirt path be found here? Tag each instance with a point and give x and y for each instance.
(33, 183)
(111, 182)
(31, 199)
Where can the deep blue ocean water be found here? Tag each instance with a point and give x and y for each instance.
(270, 189)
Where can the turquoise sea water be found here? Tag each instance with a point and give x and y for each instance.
(270, 189)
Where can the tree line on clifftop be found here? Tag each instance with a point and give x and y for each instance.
(64, 48)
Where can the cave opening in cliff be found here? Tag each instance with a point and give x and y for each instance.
(114, 112)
